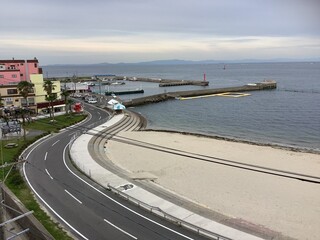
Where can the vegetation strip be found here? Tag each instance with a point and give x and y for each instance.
(15, 181)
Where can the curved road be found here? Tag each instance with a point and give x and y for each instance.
(84, 208)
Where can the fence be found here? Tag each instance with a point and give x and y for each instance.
(158, 211)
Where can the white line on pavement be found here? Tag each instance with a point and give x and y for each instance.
(55, 142)
(73, 197)
(110, 198)
(120, 229)
(49, 174)
(45, 156)
(62, 219)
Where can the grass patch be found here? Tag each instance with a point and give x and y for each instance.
(15, 181)
(60, 122)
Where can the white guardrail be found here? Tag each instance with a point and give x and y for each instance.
(158, 211)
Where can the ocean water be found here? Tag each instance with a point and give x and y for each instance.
(289, 115)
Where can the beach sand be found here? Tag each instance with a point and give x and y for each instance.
(288, 206)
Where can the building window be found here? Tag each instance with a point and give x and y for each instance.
(31, 101)
(9, 101)
(14, 75)
(21, 74)
(12, 91)
(35, 65)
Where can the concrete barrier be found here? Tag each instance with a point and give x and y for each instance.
(36, 230)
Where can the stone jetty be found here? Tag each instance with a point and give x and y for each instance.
(265, 85)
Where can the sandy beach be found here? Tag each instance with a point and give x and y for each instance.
(288, 206)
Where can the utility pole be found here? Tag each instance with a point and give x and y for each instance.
(74, 79)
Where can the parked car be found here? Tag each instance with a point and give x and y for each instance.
(92, 100)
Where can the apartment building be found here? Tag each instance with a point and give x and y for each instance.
(12, 72)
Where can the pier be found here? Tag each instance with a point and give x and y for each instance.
(168, 82)
(183, 82)
(265, 85)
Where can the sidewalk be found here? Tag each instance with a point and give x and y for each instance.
(81, 157)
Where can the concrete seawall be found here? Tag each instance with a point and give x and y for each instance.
(171, 95)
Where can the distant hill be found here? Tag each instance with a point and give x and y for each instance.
(186, 62)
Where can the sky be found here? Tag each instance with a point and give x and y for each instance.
(113, 31)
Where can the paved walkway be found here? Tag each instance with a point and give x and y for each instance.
(84, 161)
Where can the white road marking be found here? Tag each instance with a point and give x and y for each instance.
(73, 197)
(125, 207)
(99, 113)
(55, 143)
(70, 134)
(120, 229)
(45, 156)
(99, 117)
(62, 219)
(49, 174)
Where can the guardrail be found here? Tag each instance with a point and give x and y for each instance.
(158, 211)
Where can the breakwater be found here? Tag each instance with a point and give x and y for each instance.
(266, 85)
(182, 83)
(167, 82)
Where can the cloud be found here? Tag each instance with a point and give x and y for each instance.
(159, 27)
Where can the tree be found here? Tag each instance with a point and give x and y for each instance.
(24, 88)
(1, 99)
(48, 86)
(67, 101)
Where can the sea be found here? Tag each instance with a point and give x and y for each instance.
(288, 116)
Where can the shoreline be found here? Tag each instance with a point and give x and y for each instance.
(225, 190)
(301, 149)
(238, 140)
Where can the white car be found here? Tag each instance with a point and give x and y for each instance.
(92, 100)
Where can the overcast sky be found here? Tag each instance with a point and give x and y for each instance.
(95, 31)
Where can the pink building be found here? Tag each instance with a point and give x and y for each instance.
(14, 71)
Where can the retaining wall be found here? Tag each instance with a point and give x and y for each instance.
(36, 230)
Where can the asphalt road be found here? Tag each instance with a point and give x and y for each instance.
(85, 209)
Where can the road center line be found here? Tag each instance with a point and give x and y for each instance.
(73, 197)
(45, 156)
(55, 142)
(120, 229)
(49, 173)
(99, 117)
(38, 195)
(120, 204)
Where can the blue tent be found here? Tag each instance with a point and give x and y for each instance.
(118, 106)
